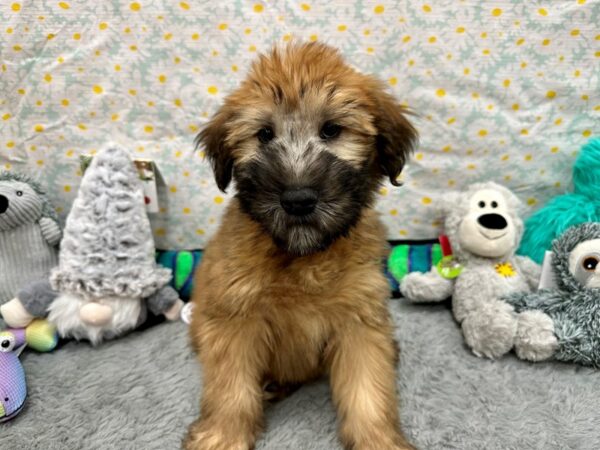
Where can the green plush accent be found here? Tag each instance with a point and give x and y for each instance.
(184, 268)
(419, 258)
(41, 335)
(436, 254)
(398, 261)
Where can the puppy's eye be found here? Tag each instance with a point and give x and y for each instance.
(494, 204)
(19, 193)
(265, 135)
(330, 130)
(481, 204)
(590, 263)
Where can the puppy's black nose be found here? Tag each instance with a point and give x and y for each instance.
(3, 204)
(493, 221)
(299, 202)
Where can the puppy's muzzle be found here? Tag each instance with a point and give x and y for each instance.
(299, 202)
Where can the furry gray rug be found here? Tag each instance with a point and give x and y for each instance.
(140, 392)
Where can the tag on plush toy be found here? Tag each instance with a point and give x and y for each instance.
(547, 280)
(448, 267)
(147, 171)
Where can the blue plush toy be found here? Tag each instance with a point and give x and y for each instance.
(583, 205)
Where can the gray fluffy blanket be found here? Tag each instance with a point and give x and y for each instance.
(141, 391)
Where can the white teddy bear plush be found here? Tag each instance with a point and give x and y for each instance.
(484, 230)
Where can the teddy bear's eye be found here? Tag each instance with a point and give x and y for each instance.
(590, 263)
(19, 193)
(482, 204)
(494, 204)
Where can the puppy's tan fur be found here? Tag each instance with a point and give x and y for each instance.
(262, 314)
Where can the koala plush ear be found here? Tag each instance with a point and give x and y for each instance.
(396, 137)
(213, 138)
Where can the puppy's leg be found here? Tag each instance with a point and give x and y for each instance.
(363, 381)
(233, 354)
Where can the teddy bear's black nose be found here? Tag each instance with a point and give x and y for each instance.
(493, 221)
(3, 204)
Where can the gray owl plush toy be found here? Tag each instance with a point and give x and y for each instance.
(29, 234)
(484, 229)
(564, 322)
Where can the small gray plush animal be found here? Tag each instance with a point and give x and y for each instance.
(484, 229)
(29, 234)
(564, 322)
(107, 277)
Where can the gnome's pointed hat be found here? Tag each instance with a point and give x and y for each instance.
(107, 249)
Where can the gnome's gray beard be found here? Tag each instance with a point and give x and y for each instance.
(128, 313)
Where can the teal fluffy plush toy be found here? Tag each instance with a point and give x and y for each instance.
(564, 211)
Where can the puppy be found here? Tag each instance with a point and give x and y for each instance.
(291, 286)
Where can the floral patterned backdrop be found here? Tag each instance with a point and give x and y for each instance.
(505, 90)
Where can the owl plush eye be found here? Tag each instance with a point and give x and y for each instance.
(590, 263)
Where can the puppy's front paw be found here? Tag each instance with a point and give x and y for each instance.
(379, 440)
(203, 435)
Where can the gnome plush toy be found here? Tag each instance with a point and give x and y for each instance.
(107, 278)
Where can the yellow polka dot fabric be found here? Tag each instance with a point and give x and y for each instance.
(505, 91)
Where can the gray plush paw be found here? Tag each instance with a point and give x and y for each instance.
(490, 330)
(426, 287)
(535, 339)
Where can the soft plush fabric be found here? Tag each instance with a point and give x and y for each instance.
(107, 249)
(573, 307)
(505, 90)
(141, 392)
(484, 229)
(183, 265)
(13, 387)
(29, 233)
(573, 208)
(107, 277)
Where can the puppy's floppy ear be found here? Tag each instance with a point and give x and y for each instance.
(396, 137)
(213, 138)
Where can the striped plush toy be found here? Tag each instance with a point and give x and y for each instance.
(183, 265)
(404, 258)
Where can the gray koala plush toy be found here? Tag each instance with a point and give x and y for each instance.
(484, 228)
(564, 322)
(29, 233)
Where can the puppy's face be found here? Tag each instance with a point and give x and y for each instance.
(307, 140)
